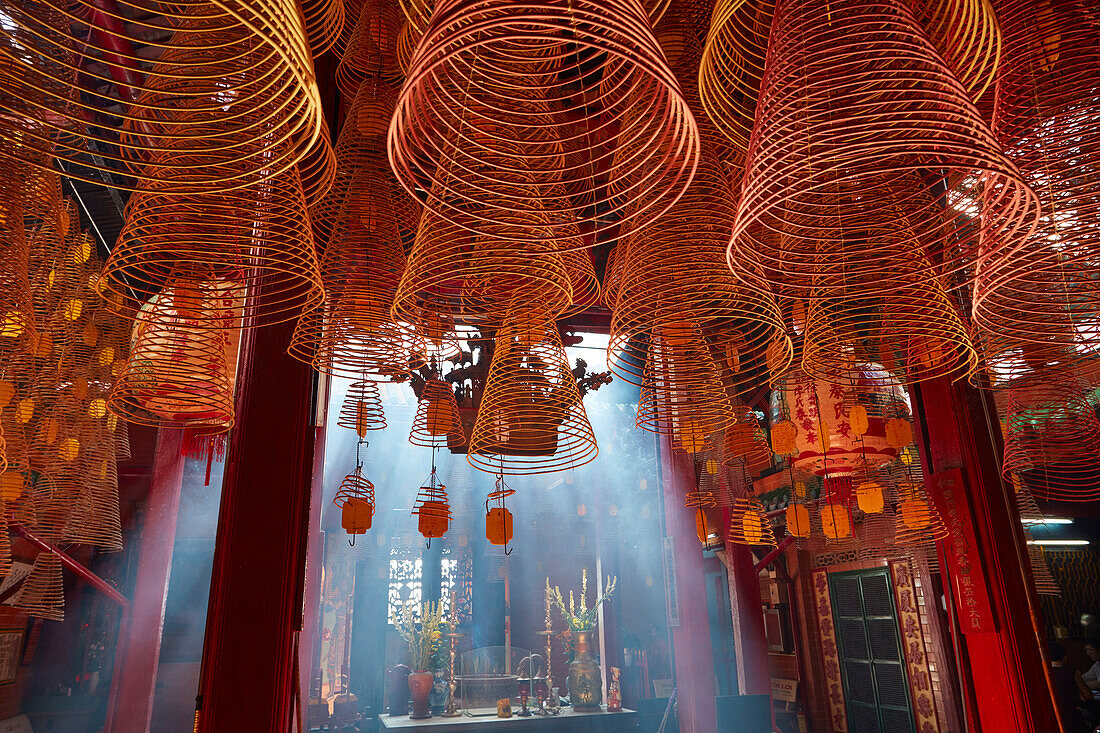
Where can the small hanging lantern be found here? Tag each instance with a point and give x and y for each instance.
(355, 497)
(498, 520)
(869, 497)
(432, 508)
(749, 523)
(798, 520)
(899, 432)
(836, 522)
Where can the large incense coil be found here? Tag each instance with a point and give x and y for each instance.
(915, 331)
(43, 593)
(1045, 584)
(917, 521)
(613, 275)
(745, 443)
(842, 203)
(352, 333)
(265, 257)
(732, 64)
(674, 275)
(17, 322)
(749, 523)
(1047, 102)
(1051, 437)
(355, 499)
(251, 58)
(476, 278)
(361, 409)
(95, 518)
(531, 419)
(372, 50)
(324, 23)
(437, 424)
(682, 392)
(176, 376)
(492, 74)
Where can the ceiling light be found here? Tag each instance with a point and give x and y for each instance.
(1059, 543)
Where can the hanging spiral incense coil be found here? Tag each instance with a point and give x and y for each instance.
(846, 207)
(432, 509)
(914, 331)
(437, 424)
(674, 275)
(43, 594)
(1051, 437)
(1047, 102)
(361, 409)
(1045, 584)
(176, 375)
(531, 419)
(732, 64)
(682, 391)
(477, 279)
(228, 76)
(250, 244)
(355, 499)
(95, 518)
(918, 522)
(583, 283)
(372, 50)
(749, 524)
(324, 23)
(613, 274)
(494, 73)
(17, 323)
(744, 442)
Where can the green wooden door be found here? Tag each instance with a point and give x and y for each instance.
(876, 686)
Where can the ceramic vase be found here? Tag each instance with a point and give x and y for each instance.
(584, 676)
(420, 685)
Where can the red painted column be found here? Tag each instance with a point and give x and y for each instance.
(993, 596)
(247, 680)
(750, 644)
(134, 679)
(315, 560)
(693, 657)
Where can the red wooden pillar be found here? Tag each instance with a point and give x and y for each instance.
(134, 679)
(750, 644)
(986, 561)
(255, 610)
(693, 656)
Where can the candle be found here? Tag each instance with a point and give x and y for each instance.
(548, 604)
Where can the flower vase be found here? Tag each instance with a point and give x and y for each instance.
(420, 685)
(584, 676)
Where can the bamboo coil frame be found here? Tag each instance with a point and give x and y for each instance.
(849, 205)
(372, 50)
(501, 119)
(176, 376)
(437, 423)
(965, 32)
(255, 55)
(361, 409)
(914, 331)
(1045, 115)
(1051, 437)
(263, 263)
(324, 23)
(531, 419)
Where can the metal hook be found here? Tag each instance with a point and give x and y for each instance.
(429, 543)
(351, 542)
(506, 550)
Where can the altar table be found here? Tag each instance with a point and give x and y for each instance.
(567, 722)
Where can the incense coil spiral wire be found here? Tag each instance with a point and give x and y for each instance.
(95, 518)
(432, 509)
(324, 23)
(1051, 437)
(361, 409)
(914, 331)
(613, 274)
(749, 524)
(745, 443)
(437, 424)
(1047, 103)
(252, 58)
(918, 522)
(681, 391)
(372, 50)
(263, 263)
(355, 499)
(675, 274)
(584, 286)
(531, 419)
(492, 81)
(965, 32)
(17, 322)
(843, 203)
(176, 375)
(478, 279)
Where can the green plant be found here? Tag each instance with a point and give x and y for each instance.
(586, 619)
(421, 636)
